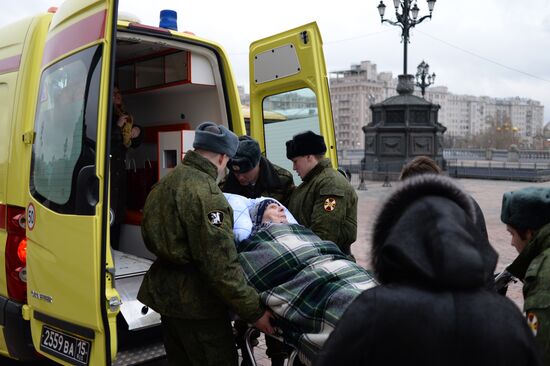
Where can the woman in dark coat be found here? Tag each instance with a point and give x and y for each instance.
(434, 306)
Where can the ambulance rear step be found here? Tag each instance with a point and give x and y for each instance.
(140, 354)
(129, 272)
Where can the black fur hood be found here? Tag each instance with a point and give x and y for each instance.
(425, 234)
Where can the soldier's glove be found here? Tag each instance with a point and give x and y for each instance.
(502, 280)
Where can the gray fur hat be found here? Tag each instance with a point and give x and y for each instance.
(210, 136)
(527, 208)
(247, 156)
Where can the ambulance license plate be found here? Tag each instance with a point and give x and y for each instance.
(71, 349)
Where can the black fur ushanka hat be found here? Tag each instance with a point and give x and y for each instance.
(305, 143)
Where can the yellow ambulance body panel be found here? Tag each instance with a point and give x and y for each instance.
(67, 287)
(290, 66)
(19, 73)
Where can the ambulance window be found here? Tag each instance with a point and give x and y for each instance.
(285, 115)
(66, 128)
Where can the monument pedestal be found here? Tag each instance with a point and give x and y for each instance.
(404, 127)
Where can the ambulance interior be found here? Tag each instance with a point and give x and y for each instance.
(169, 88)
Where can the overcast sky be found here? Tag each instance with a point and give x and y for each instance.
(499, 48)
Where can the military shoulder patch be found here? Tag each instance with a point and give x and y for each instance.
(215, 218)
(533, 322)
(330, 204)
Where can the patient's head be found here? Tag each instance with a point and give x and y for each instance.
(268, 211)
(274, 213)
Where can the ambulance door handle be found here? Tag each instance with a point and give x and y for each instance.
(87, 192)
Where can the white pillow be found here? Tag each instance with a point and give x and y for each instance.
(242, 223)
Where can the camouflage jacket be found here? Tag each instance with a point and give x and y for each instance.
(187, 224)
(326, 203)
(273, 181)
(532, 266)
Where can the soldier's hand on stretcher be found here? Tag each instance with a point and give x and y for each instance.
(264, 323)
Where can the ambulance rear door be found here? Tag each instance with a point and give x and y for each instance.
(289, 91)
(71, 298)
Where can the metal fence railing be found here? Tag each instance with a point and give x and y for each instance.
(527, 165)
(495, 154)
(502, 170)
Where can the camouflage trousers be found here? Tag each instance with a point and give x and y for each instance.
(199, 342)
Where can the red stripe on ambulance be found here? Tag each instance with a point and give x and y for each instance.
(77, 35)
(10, 64)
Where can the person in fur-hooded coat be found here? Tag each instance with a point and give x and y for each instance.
(433, 305)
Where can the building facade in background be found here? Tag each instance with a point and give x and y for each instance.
(465, 115)
(354, 90)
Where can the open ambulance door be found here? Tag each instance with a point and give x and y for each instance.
(72, 304)
(288, 83)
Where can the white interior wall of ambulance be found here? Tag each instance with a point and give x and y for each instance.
(169, 88)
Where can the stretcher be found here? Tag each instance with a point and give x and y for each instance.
(250, 351)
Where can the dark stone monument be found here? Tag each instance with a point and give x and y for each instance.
(403, 127)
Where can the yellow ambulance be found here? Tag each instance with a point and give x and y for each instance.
(65, 292)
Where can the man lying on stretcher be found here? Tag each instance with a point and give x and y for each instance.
(305, 281)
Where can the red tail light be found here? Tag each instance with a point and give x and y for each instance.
(16, 254)
(22, 251)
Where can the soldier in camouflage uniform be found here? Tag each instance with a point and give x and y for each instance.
(197, 278)
(526, 213)
(325, 202)
(252, 175)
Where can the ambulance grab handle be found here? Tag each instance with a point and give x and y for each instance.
(87, 190)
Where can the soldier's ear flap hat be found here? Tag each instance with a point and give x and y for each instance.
(216, 138)
(527, 208)
(305, 143)
(247, 156)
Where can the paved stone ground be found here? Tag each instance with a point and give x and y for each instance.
(487, 193)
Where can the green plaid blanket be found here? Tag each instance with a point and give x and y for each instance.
(307, 282)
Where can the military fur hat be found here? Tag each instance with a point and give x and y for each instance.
(527, 208)
(247, 156)
(305, 143)
(216, 138)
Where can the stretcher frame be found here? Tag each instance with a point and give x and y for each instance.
(249, 348)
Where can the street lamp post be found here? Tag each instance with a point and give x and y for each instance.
(407, 19)
(397, 119)
(423, 77)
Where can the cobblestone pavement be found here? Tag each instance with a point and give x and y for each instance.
(487, 193)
